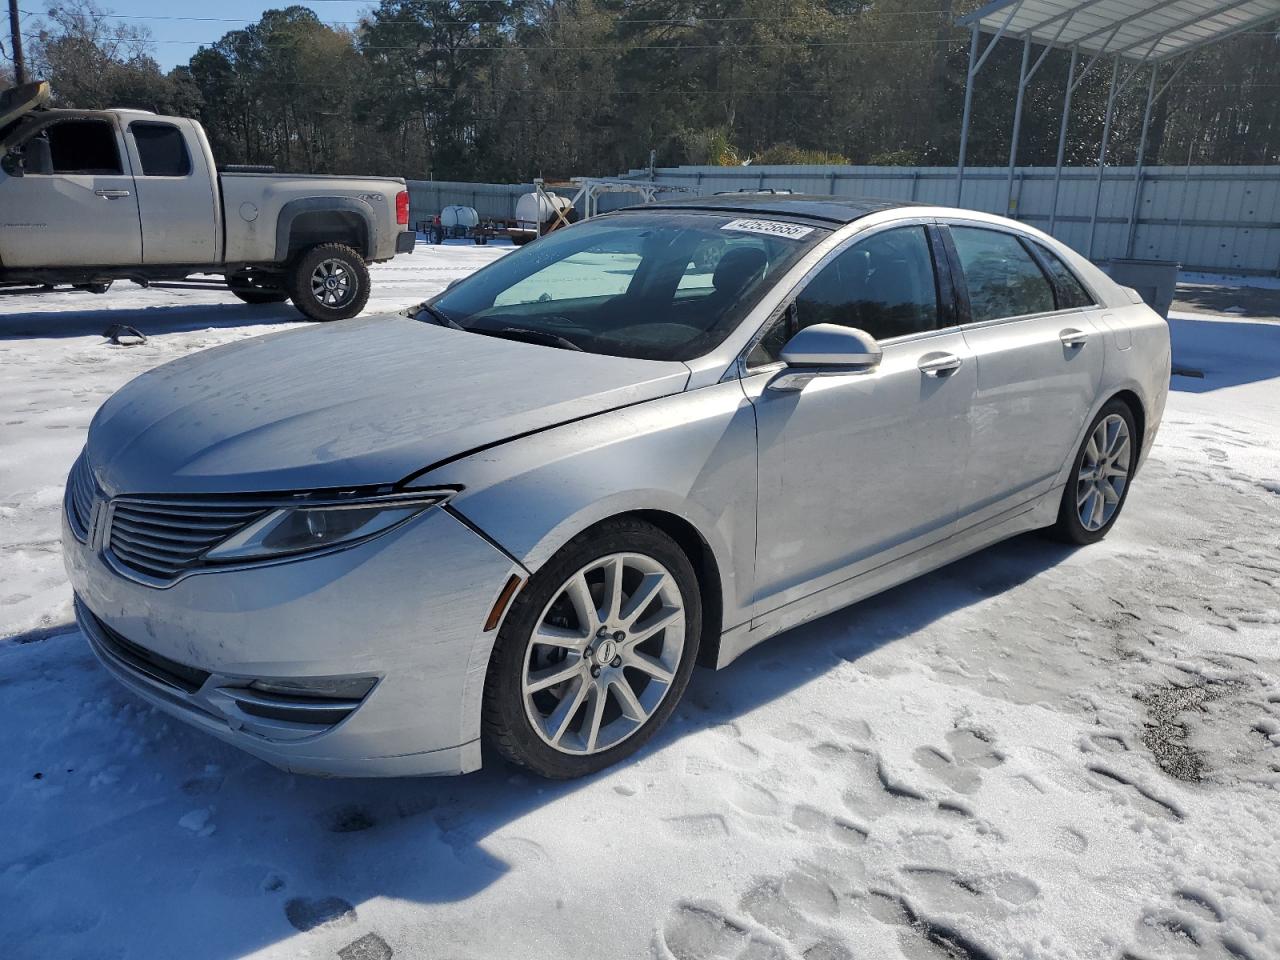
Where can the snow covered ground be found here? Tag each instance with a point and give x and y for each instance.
(1036, 752)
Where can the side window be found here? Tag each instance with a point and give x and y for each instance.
(1003, 279)
(84, 147)
(161, 148)
(1071, 292)
(884, 285)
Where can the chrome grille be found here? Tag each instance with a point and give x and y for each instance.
(80, 490)
(162, 538)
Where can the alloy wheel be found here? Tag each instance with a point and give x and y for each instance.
(1104, 472)
(331, 283)
(604, 653)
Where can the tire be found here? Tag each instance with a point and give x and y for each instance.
(249, 288)
(316, 266)
(520, 239)
(596, 664)
(1091, 502)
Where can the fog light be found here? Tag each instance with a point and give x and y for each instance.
(351, 688)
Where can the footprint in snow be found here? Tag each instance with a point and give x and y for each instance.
(924, 937)
(1142, 798)
(791, 905)
(349, 819)
(305, 914)
(960, 765)
(813, 820)
(701, 931)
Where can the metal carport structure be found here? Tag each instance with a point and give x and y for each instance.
(1133, 34)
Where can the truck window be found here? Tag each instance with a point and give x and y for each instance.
(162, 149)
(84, 147)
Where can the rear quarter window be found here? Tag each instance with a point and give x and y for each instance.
(1071, 292)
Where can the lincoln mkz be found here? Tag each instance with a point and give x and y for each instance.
(509, 521)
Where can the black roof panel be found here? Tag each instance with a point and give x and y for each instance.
(831, 209)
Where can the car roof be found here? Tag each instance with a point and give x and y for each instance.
(838, 210)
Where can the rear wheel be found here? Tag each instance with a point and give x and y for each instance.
(1099, 481)
(595, 652)
(328, 282)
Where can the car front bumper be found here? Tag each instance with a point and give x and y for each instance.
(406, 610)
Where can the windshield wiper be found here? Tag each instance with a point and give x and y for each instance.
(526, 335)
(434, 315)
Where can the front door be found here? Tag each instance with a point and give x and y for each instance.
(80, 209)
(855, 471)
(1039, 364)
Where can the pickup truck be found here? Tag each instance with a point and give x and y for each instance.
(90, 197)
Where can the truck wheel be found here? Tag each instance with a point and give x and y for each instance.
(328, 282)
(250, 289)
(520, 239)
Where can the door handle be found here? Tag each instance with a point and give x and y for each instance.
(1071, 337)
(939, 364)
(112, 194)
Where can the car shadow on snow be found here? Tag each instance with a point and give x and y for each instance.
(308, 850)
(37, 324)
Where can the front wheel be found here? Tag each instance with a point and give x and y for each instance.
(595, 653)
(1099, 481)
(328, 282)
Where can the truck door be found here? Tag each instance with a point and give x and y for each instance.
(175, 193)
(74, 204)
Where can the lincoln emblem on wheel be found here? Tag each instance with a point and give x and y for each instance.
(509, 522)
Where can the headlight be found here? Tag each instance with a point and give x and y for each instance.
(320, 526)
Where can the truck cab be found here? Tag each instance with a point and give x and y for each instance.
(89, 197)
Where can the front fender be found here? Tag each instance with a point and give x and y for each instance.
(692, 455)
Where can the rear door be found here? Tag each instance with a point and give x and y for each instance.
(176, 199)
(1039, 365)
(82, 210)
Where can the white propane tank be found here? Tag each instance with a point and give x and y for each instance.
(532, 209)
(459, 216)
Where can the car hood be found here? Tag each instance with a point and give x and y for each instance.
(360, 402)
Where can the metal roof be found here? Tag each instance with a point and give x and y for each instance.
(829, 209)
(1143, 30)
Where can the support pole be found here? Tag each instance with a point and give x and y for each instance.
(1017, 124)
(964, 120)
(15, 32)
(1062, 136)
(1102, 155)
(1131, 229)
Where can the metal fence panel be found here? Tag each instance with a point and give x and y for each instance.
(1214, 218)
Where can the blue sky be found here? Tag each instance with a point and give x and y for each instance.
(177, 39)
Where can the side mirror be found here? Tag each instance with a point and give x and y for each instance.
(12, 164)
(826, 350)
(37, 156)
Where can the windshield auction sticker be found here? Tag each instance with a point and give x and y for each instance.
(770, 228)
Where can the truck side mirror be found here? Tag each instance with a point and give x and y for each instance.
(37, 157)
(12, 164)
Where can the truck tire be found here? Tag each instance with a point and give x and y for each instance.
(250, 289)
(328, 282)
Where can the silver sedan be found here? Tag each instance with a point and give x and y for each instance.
(512, 519)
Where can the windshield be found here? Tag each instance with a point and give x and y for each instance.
(654, 286)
